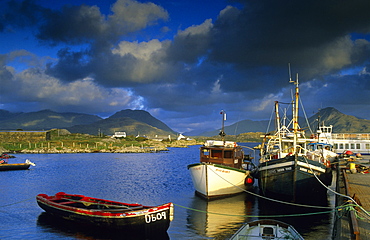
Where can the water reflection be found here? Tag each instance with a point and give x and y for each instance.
(304, 219)
(52, 224)
(231, 215)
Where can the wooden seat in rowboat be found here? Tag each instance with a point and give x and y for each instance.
(124, 209)
(105, 205)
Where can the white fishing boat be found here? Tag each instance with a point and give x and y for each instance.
(222, 170)
(358, 143)
(266, 229)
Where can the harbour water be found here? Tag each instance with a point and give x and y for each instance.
(146, 178)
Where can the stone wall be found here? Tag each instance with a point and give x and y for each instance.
(24, 136)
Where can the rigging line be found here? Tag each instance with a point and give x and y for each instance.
(257, 216)
(270, 199)
(237, 124)
(339, 194)
(305, 115)
(268, 126)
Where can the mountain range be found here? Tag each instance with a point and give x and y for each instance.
(342, 123)
(133, 122)
(141, 122)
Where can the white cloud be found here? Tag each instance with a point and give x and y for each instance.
(143, 50)
(82, 95)
(216, 86)
(132, 15)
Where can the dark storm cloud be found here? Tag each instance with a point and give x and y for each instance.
(73, 25)
(86, 26)
(191, 44)
(71, 65)
(102, 33)
(276, 32)
(21, 14)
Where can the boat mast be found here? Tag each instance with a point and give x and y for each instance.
(318, 131)
(278, 125)
(295, 131)
(295, 111)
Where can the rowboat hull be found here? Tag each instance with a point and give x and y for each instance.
(14, 166)
(292, 180)
(146, 219)
(213, 180)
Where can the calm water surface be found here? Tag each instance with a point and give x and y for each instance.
(146, 178)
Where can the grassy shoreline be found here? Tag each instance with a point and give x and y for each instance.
(97, 145)
(85, 143)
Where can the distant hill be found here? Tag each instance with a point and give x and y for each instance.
(43, 120)
(240, 127)
(110, 125)
(142, 116)
(4, 115)
(133, 122)
(342, 123)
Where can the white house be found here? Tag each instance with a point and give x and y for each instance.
(119, 135)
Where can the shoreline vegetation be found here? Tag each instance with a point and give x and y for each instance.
(85, 143)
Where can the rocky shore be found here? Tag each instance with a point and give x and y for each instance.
(90, 150)
(154, 147)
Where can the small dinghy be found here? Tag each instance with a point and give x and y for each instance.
(6, 166)
(266, 229)
(106, 213)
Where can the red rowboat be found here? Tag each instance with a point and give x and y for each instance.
(106, 213)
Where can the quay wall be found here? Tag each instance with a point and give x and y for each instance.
(352, 222)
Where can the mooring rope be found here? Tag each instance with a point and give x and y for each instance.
(270, 199)
(339, 194)
(10, 204)
(257, 216)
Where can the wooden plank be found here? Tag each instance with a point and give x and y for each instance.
(354, 224)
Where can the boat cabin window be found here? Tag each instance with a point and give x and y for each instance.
(367, 146)
(205, 152)
(228, 154)
(358, 146)
(346, 145)
(341, 146)
(311, 147)
(216, 153)
(268, 231)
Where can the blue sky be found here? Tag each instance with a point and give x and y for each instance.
(184, 61)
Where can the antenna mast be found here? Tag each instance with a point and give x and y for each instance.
(222, 132)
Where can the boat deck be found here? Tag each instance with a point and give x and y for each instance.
(356, 185)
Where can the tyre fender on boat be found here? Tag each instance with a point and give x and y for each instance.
(249, 181)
